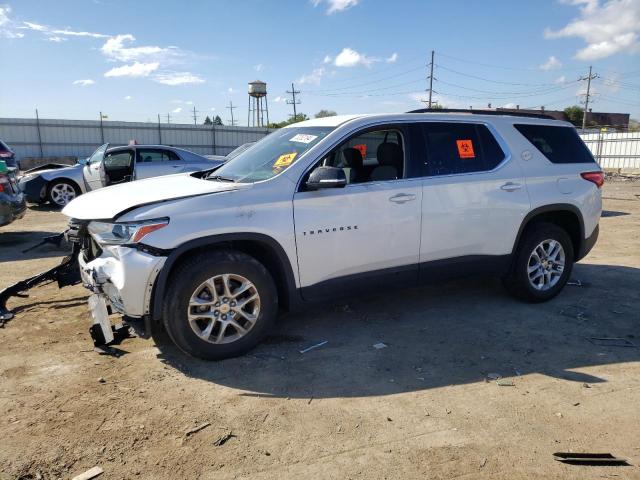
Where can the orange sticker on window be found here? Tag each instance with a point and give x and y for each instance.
(285, 160)
(465, 149)
(362, 148)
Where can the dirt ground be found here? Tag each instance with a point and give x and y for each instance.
(419, 408)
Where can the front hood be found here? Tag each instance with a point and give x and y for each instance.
(108, 202)
(51, 168)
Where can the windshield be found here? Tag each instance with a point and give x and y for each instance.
(271, 155)
(239, 150)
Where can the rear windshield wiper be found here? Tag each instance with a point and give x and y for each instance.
(221, 178)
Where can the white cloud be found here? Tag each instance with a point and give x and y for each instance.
(115, 48)
(509, 105)
(189, 102)
(313, 78)
(259, 67)
(608, 28)
(392, 58)
(178, 78)
(56, 39)
(230, 91)
(335, 6)
(551, 63)
(176, 110)
(327, 59)
(84, 83)
(350, 58)
(136, 69)
(213, 109)
(128, 97)
(7, 26)
(51, 32)
(279, 99)
(560, 80)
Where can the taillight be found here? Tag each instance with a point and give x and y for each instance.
(594, 177)
(6, 154)
(4, 183)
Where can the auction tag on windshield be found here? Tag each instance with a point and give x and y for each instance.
(303, 138)
(285, 160)
(465, 149)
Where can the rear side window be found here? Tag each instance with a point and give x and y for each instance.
(460, 148)
(558, 144)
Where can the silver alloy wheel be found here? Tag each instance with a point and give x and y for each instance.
(62, 193)
(223, 308)
(546, 264)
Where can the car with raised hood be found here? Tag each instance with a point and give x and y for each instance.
(329, 207)
(12, 201)
(59, 184)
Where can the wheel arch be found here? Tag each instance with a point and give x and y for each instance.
(564, 215)
(262, 247)
(53, 181)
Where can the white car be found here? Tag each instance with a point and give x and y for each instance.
(331, 206)
(59, 184)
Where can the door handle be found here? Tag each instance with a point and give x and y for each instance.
(511, 187)
(402, 198)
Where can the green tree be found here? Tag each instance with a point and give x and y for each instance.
(325, 113)
(217, 120)
(207, 121)
(298, 118)
(574, 115)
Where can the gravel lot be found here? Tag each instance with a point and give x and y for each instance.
(419, 408)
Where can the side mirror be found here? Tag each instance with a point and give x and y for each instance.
(326, 177)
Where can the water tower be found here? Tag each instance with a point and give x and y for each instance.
(258, 105)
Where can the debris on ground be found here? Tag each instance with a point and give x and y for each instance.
(224, 439)
(611, 342)
(574, 458)
(317, 345)
(575, 283)
(379, 345)
(483, 462)
(89, 474)
(573, 311)
(505, 382)
(101, 380)
(202, 426)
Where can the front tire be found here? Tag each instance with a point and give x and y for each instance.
(222, 304)
(61, 192)
(542, 265)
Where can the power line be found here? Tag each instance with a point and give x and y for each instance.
(293, 100)
(493, 81)
(365, 83)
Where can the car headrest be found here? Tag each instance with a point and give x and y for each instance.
(353, 157)
(390, 154)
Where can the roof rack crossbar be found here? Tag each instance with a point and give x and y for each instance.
(484, 112)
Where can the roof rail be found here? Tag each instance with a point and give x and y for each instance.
(484, 112)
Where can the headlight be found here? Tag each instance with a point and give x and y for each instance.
(126, 232)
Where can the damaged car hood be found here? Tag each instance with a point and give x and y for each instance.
(107, 203)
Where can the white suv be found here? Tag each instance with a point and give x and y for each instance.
(326, 207)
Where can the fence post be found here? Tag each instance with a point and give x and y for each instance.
(159, 132)
(101, 130)
(39, 135)
(213, 133)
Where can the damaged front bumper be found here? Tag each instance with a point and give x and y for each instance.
(121, 279)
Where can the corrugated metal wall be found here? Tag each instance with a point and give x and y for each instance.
(27, 136)
(614, 149)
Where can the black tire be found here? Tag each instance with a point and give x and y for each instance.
(57, 183)
(517, 281)
(190, 274)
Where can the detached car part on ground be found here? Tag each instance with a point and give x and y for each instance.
(59, 184)
(324, 208)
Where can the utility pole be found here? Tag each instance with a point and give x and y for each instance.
(293, 100)
(430, 78)
(588, 94)
(168, 118)
(195, 116)
(101, 129)
(159, 131)
(231, 109)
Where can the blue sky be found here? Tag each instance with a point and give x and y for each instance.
(135, 59)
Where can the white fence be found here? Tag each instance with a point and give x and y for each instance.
(31, 137)
(615, 149)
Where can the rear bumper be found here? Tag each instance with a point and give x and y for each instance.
(11, 208)
(588, 243)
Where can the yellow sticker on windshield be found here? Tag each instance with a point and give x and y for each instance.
(285, 160)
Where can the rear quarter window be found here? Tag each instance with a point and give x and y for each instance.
(558, 144)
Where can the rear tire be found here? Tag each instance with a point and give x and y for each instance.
(221, 305)
(542, 264)
(61, 192)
